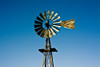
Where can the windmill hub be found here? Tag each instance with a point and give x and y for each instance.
(47, 24)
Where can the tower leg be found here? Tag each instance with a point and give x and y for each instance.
(43, 60)
(51, 60)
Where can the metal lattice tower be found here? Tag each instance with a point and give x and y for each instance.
(46, 26)
(47, 52)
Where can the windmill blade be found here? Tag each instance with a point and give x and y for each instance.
(38, 18)
(57, 18)
(43, 33)
(37, 22)
(56, 29)
(68, 24)
(36, 26)
(37, 29)
(54, 33)
(40, 31)
(42, 16)
(48, 14)
(54, 16)
(57, 22)
(47, 34)
(56, 25)
(50, 34)
(51, 14)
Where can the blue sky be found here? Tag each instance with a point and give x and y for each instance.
(19, 43)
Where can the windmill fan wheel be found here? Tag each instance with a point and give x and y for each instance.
(47, 24)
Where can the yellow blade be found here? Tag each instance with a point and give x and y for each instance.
(68, 24)
(47, 34)
(44, 14)
(50, 35)
(48, 14)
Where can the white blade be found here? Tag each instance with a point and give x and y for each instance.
(52, 31)
(51, 14)
(57, 18)
(54, 16)
(57, 22)
(55, 29)
(57, 26)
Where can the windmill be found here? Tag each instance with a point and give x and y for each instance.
(47, 24)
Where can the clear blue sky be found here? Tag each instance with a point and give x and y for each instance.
(19, 43)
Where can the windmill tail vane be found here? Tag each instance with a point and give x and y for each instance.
(46, 26)
(68, 24)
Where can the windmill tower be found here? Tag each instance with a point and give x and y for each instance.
(46, 26)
